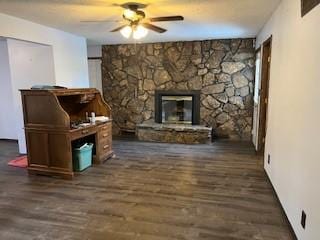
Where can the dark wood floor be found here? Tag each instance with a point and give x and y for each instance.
(149, 191)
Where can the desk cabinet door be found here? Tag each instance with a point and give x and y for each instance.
(51, 151)
(37, 149)
(59, 148)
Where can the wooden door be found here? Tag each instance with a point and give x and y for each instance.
(37, 142)
(264, 94)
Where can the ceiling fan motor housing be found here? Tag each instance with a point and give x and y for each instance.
(137, 16)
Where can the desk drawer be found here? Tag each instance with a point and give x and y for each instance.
(104, 144)
(104, 141)
(104, 148)
(82, 133)
(104, 135)
(106, 127)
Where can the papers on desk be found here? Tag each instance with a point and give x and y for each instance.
(84, 124)
(102, 119)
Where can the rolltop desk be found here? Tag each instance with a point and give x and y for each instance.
(52, 126)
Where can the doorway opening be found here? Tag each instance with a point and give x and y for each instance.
(95, 76)
(22, 65)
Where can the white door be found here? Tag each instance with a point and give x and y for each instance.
(256, 101)
(95, 74)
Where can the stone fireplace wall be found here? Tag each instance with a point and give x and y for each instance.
(223, 70)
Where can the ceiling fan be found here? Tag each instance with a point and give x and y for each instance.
(137, 24)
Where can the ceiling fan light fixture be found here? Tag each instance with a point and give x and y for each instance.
(126, 31)
(137, 25)
(140, 32)
(129, 14)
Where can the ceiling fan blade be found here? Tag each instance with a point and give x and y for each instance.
(168, 18)
(99, 21)
(118, 28)
(153, 27)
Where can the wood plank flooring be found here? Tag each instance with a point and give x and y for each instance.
(149, 191)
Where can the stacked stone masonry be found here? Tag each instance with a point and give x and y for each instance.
(173, 133)
(222, 69)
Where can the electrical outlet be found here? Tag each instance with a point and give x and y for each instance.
(303, 219)
(269, 158)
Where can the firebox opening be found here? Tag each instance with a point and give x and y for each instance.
(177, 107)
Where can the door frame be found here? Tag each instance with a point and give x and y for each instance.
(255, 118)
(264, 94)
(97, 63)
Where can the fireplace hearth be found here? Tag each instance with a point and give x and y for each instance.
(177, 119)
(177, 107)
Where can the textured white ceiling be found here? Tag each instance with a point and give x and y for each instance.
(204, 19)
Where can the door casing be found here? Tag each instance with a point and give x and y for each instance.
(264, 94)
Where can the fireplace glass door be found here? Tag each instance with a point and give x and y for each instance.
(177, 109)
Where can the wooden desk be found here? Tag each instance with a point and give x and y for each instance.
(48, 115)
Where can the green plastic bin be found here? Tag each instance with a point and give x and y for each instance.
(82, 157)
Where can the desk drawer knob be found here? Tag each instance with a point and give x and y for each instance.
(85, 131)
(105, 147)
(105, 135)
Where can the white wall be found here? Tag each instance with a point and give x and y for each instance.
(69, 51)
(7, 129)
(30, 64)
(293, 134)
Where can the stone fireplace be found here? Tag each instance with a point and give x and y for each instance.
(135, 75)
(177, 107)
